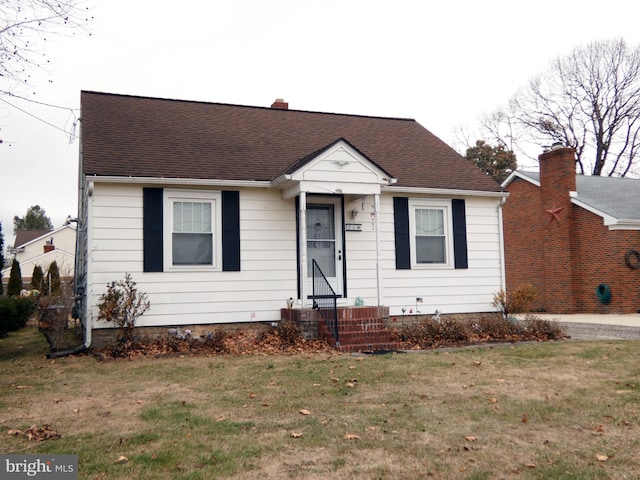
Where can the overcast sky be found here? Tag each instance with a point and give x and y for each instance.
(441, 63)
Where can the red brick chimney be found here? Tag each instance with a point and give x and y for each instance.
(49, 246)
(280, 104)
(557, 181)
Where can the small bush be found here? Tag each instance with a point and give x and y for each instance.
(543, 329)
(432, 331)
(497, 328)
(216, 341)
(516, 301)
(122, 304)
(54, 318)
(14, 313)
(289, 332)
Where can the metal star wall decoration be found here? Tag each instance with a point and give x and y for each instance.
(555, 213)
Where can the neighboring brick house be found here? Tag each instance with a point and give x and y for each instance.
(575, 238)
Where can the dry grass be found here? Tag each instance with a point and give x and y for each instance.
(559, 410)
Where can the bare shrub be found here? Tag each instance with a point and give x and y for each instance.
(216, 341)
(122, 304)
(496, 328)
(289, 332)
(543, 329)
(54, 315)
(432, 331)
(516, 301)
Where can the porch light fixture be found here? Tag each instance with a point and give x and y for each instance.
(354, 213)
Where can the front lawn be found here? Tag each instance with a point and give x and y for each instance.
(553, 410)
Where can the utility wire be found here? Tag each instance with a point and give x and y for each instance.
(71, 134)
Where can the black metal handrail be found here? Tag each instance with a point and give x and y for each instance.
(324, 300)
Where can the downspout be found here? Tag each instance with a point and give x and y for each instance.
(82, 245)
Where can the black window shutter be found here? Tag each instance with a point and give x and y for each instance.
(459, 233)
(401, 232)
(230, 231)
(152, 229)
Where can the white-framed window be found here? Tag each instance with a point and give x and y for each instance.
(192, 229)
(430, 225)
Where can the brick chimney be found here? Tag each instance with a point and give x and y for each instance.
(280, 104)
(557, 181)
(49, 246)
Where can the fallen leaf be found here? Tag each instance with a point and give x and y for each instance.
(221, 418)
(471, 438)
(295, 434)
(477, 364)
(122, 459)
(349, 385)
(599, 429)
(493, 400)
(530, 465)
(351, 436)
(304, 411)
(252, 395)
(525, 418)
(15, 432)
(602, 458)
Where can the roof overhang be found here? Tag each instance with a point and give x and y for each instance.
(445, 192)
(518, 174)
(608, 220)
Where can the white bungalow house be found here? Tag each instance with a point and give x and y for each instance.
(218, 211)
(43, 247)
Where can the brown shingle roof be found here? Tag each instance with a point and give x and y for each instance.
(25, 236)
(150, 137)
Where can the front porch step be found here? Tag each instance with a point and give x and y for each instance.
(361, 329)
(360, 335)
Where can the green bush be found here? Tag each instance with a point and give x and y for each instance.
(37, 277)
(14, 313)
(15, 279)
(53, 274)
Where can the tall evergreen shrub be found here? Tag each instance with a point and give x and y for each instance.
(15, 279)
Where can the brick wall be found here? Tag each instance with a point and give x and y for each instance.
(600, 258)
(523, 234)
(567, 255)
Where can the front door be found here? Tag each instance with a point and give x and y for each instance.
(324, 241)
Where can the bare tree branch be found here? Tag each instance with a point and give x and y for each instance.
(24, 26)
(588, 100)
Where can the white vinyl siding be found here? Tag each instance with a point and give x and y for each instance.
(269, 262)
(192, 295)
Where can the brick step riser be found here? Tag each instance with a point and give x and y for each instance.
(362, 337)
(358, 331)
(358, 326)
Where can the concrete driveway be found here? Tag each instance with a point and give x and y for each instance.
(581, 326)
